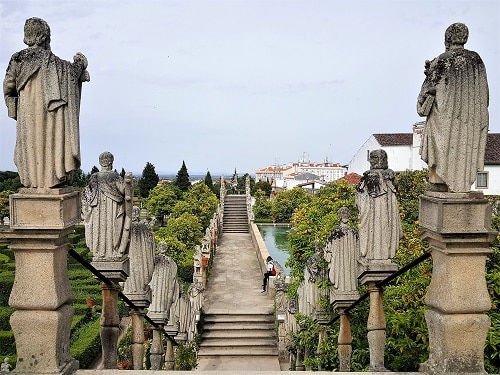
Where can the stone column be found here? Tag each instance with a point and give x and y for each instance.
(110, 325)
(457, 227)
(344, 340)
(41, 220)
(299, 365)
(157, 351)
(169, 357)
(137, 339)
(376, 329)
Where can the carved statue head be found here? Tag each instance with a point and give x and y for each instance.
(36, 33)
(344, 213)
(136, 213)
(456, 34)
(106, 160)
(378, 159)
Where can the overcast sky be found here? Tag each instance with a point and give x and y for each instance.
(225, 84)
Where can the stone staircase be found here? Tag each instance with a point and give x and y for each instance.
(235, 214)
(242, 335)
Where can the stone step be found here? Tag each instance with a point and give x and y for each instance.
(238, 325)
(245, 318)
(263, 333)
(236, 342)
(247, 351)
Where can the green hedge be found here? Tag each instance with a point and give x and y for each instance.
(86, 343)
(7, 343)
(6, 281)
(5, 313)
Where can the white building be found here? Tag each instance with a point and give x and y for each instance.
(403, 154)
(324, 172)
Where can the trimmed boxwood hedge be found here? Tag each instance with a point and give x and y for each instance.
(86, 343)
(5, 313)
(7, 343)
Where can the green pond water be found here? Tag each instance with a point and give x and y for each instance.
(276, 240)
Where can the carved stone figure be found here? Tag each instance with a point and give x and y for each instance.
(165, 288)
(195, 292)
(5, 366)
(42, 92)
(454, 97)
(104, 203)
(341, 253)
(141, 254)
(379, 221)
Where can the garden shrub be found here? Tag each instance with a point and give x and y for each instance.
(7, 342)
(86, 343)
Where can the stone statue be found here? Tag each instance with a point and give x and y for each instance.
(107, 217)
(379, 221)
(141, 253)
(195, 292)
(42, 93)
(342, 252)
(5, 366)
(164, 286)
(454, 97)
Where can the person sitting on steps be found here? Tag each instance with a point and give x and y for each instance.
(270, 272)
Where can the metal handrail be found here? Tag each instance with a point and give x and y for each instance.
(122, 296)
(386, 281)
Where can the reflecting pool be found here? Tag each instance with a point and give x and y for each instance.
(276, 240)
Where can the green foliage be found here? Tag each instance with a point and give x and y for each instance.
(199, 201)
(286, 202)
(411, 185)
(181, 234)
(5, 313)
(78, 178)
(161, 201)
(186, 357)
(9, 181)
(313, 222)
(492, 348)
(148, 181)
(7, 343)
(86, 343)
(4, 204)
(208, 181)
(262, 207)
(263, 186)
(182, 178)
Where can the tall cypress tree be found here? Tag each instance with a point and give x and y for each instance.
(182, 178)
(208, 181)
(148, 180)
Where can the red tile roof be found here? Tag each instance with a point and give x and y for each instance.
(394, 139)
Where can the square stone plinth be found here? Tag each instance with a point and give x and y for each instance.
(45, 209)
(116, 270)
(448, 213)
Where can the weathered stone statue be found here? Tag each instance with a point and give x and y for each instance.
(195, 293)
(107, 223)
(6, 366)
(454, 97)
(141, 253)
(342, 253)
(379, 221)
(42, 93)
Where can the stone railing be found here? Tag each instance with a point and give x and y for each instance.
(249, 199)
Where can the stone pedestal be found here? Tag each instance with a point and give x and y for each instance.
(376, 329)
(457, 227)
(110, 325)
(171, 330)
(157, 351)
(41, 220)
(373, 272)
(344, 340)
(137, 339)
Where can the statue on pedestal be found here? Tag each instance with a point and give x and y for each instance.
(379, 221)
(42, 92)
(454, 98)
(106, 204)
(342, 254)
